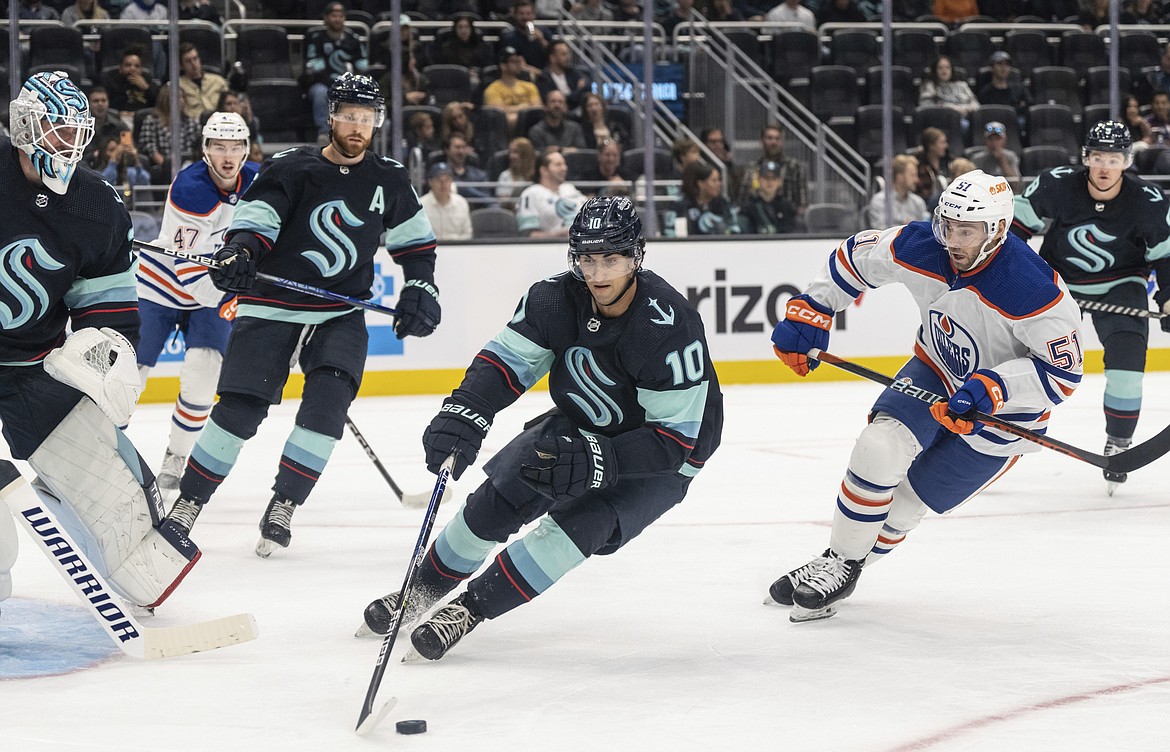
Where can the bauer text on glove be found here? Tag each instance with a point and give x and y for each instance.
(418, 309)
(565, 467)
(459, 430)
(236, 270)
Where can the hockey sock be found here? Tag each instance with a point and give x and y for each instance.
(212, 458)
(1123, 402)
(301, 463)
(524, 570)
(197, 380)
(905, 512)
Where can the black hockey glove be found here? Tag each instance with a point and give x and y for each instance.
(565, 467)
(457, 429)
(236, 271)
(418, 309)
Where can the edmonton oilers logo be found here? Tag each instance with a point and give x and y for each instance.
(954, 345)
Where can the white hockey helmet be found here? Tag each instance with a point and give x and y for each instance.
(50, 105)
(976, 197)
(225, 126)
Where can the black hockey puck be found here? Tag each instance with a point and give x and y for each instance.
(411, 727)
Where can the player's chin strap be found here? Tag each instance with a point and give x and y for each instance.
(1127, 461)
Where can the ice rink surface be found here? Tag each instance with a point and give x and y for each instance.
(1037, 617)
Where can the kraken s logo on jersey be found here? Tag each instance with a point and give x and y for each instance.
(31, 298)
(598, 406)
(954, 345)
(326, 222)
(1086, 240)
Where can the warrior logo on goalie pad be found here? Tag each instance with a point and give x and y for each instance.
(954, 345)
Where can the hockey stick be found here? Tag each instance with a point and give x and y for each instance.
(1124, 462)
(368, 718)
(412, 501)
(134, 639)
(288, 284)
(1096, 305)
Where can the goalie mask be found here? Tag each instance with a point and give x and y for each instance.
(976, 197)
(50, 122)
(606, 225)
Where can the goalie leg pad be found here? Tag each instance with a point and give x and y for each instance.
(8, 548)
(197, 379)
(883, 454)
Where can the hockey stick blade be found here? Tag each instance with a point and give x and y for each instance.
(371, 721)
(1097, 305)
(288, 284)
(135, 640)
(368, 719)
(420, 500)
(1136, 457)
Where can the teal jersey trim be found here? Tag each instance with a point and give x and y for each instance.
(545, 555)
(217, 450)
(258, 217)
(459, 548)
(413, 232)
(1100, 288)
(120, 287)
(309, 448)
(680, 410)
(528, 360)
(269, 313)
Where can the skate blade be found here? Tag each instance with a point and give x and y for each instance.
(800, 614)
(265, 547)
(412, 656)
(1111, 487)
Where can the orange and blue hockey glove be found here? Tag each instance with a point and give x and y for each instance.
(984, 392)
(805, 326)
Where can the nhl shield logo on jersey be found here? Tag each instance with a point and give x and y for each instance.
(954, 345)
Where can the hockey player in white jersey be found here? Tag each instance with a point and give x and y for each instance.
(179, 296)
(998, 335)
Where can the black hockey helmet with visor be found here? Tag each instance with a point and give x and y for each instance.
(606, 225)
(353, 88)
(1108, 136)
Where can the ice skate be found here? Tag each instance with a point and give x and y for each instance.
(170, 473)
(275, 526)
(781, 590)
(379, 615)
(437, 635)
(182, 516)
(1114, 445)
(834, 581)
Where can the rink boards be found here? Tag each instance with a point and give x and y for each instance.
(739, 288)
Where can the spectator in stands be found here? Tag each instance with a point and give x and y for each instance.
(1097, 14)
(1144, 12)
(456, 118)
(722, 10)
(939, 88)
(329, 52)
(607, 169)
(231, 101)
(996, 158)
(766, 211)
(420, 132)
(627, 10)
(106, 123)
(128, 88)
(953, 11)
(556, 129)
(906, 206)
(1002, 88)
(464, 46)
(521, 171)
(154, 140)
(202, 89)
(791, 11)
(702, 210)
(1139, 130)
(961, 166)
(840, 11)
(1056, 10)
(597, 123)
(32, 10)
(934, 173)
(508, 92)
(1155, 80)
(682, 12)
(416, 89)
(716, 142)
(591, 10)
(199, 10)
(145, 11)
(1159, 118)
(528, 39)
(560, 75)
(457, 154)
(255, 152)
(448, 212)
(84, 10)
(793, 172)
(547, 207)
(119, 164)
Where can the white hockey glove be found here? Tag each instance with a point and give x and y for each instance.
(101, 364)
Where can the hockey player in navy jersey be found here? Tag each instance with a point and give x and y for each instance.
(1109, 229)
(176, 295)
(66, 258)
(314, 215)
(638, 412)
(998, 335)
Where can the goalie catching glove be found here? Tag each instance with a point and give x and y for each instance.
(458, 430)
(565, 467)
(984, 392)
(805, 326)
(100, 363)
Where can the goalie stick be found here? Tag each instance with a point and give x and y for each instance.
(368, 719)
(412, 501)
(287, 284)
(71, 563)
(1096, 305)
(1133, 458)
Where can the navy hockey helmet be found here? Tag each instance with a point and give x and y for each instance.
(353, 88)
(606, 224)
(1109, 135)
